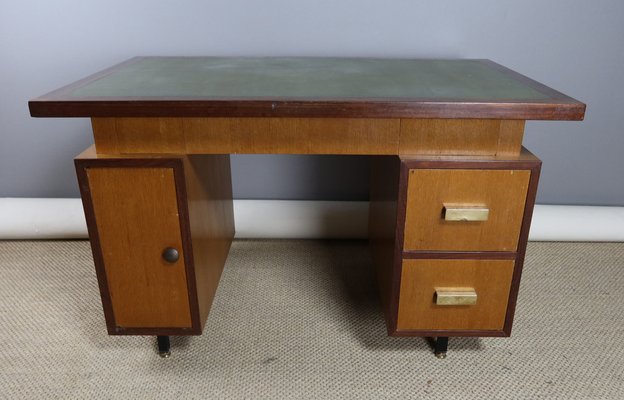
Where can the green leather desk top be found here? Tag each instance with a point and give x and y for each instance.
(313, 87)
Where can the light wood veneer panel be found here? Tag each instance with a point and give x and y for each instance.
(342, 135)
(211, 219)
(510, 137)
(504, 192)
(478, 137)
(491, 280)
(246, 135)
(150, 135)
(137, 218)
(382, 227)
(308, 136)
(105, 135)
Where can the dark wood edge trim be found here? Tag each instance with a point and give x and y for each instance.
(436, 333)
(531, 83)
(460, 255)
(281, 108)
(447, 162)
(130, 162)
(176, 164)
(522, 245)
(398, 252)
(165, 331)
(65, 90)
(94, 238)
(185, 230)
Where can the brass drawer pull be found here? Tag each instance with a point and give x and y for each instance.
(455, 296)
(454, 212)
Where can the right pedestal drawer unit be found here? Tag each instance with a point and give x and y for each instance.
(456, 233)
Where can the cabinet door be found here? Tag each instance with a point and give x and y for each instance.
(137, 217)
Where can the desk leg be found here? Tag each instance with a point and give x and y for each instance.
(441, 345)
(163, 346)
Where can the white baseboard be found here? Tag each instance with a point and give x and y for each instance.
(28, 218)
(22, 218)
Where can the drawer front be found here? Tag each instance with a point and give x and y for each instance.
(465, 209)
(432, 293)
(137, 218)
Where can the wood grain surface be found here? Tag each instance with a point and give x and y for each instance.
(137, 218)
(246, 135)
(291, 135)
(491, 280)
(476, 137)
(211, 216)
(502, 191)
(382, 228)
(308, 136)
(203, 193)
(522, 244)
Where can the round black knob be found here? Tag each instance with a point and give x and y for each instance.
(170, 255)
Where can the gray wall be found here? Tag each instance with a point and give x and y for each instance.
(575, 46)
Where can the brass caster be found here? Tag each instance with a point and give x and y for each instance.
(164, 354)
(440, 355)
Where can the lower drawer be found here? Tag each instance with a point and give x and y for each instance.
(431, 289)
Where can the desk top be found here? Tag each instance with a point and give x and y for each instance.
(307, 87)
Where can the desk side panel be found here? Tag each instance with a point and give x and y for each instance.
(211, 220)
(383, 226)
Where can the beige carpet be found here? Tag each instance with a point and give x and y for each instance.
(300, 319)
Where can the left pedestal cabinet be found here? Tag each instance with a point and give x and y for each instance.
(160, 232)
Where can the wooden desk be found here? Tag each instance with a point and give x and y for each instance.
(452, 189)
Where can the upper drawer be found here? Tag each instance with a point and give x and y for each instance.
(465, 209)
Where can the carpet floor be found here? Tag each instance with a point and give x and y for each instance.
(301, 320)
